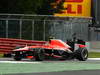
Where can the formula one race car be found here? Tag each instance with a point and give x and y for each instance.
(54, 48)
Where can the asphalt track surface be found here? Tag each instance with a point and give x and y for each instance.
(92, 72)
(77, 72)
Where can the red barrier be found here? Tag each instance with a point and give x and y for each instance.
(8, 44)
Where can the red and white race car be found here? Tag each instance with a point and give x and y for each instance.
(53, 48)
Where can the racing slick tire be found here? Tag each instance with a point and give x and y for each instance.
(17, 56)
(81, 54)
(39, 54)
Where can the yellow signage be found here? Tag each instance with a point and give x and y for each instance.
(76, 8)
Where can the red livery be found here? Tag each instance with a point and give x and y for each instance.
(54, 48)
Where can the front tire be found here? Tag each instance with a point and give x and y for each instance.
(81, 54)
(39, 54)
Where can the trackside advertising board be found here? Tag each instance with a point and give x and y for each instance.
(76, 8)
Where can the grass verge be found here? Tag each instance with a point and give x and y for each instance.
(94, 54)
(1, 55)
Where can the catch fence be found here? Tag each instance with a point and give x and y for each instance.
(41, 27)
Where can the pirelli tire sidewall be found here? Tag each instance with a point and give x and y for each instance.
(81, 54)
(39, 54)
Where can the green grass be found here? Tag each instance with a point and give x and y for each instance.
(1, 55)
(94, 54)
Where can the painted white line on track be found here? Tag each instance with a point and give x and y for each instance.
(93, 58)
(18, 62)
(34, 62)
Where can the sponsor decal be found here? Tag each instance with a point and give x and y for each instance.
(77, 8)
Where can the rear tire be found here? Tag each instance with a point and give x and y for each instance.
(39, 54)
(81, 54)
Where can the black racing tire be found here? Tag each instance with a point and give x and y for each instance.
(39, 54)
(81, 54)
(17, 56)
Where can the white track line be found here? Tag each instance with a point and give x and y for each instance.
(93, 58)
(34, 62)
(18, 62)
